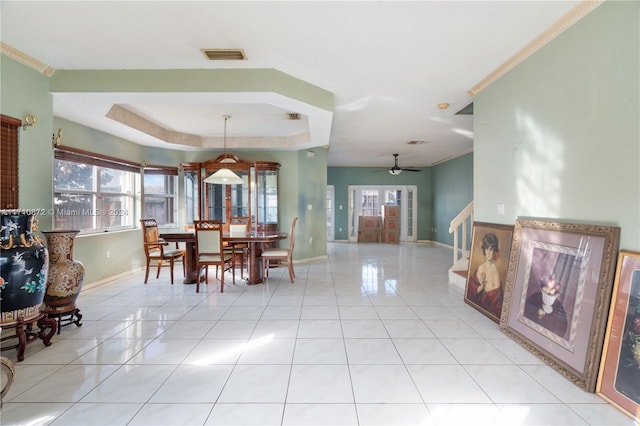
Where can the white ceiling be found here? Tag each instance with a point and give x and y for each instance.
(387, 63)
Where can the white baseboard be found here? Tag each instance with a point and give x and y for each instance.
(111, 278)
(309, 259)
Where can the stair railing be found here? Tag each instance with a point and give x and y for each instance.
(459, 224)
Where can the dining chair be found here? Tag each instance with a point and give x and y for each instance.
(155, 248)
(210, 251)
(240, 225)
(284, 256)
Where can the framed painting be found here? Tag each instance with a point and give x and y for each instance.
(488, 262)
(557, 293)
(619, 377)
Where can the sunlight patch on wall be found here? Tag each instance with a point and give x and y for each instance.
(539, 165)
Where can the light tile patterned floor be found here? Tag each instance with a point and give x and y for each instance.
(372, 335)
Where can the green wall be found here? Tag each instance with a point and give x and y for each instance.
(342, 177)
(24, 91)
(452, 192)
(312, 202)
(558, 136)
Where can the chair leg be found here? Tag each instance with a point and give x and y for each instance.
(171, 262)
(146, 275)
(198, 279)
(159, 265)
(221, 279)
(291, 273)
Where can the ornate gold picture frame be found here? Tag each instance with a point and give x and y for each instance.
(619, 377)
(557, 293)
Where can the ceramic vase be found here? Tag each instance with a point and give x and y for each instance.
(24, 263)
(66, 275)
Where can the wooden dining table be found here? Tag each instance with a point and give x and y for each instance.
(255, 240)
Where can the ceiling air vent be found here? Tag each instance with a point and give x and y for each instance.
(293, 115)
(224, 54)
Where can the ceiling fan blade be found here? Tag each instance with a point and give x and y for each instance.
(395, 169)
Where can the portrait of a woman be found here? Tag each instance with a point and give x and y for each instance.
(486, 276)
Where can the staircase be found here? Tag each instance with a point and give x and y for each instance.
(458, 227)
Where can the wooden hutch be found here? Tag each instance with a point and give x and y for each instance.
(256, 197)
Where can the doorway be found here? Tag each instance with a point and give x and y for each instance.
(368, 200)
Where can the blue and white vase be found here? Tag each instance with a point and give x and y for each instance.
(24, 263)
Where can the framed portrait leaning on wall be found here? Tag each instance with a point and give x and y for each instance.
(619, 377)
(557, 294)
(488, 262)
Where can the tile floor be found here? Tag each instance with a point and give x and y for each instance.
(372, 335)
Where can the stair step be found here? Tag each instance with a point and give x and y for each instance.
(461, 273)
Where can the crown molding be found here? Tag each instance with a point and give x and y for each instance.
(25, 59)
(570, 18)
(452, 157)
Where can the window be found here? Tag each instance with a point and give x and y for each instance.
(160, 194)
(92, 192)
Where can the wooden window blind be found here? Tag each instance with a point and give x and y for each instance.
(160, 170)
(9, 162)
(80, 156)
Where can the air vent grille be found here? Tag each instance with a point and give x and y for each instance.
(224, 54)
(293, 116)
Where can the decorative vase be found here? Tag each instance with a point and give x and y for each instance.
(24, 263)
(66, 276)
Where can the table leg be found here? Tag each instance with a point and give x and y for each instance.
(255, 263)
(191, 273)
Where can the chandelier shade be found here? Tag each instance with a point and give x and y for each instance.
(224, 176)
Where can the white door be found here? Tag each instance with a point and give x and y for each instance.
(331, 232)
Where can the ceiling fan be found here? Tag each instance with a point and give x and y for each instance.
(396, 170)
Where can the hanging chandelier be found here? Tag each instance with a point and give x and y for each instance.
(224, 176)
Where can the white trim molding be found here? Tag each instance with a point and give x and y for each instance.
(25, 59)
(570, 18)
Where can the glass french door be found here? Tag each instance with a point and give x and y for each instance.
(367, 200)
(330, 213)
